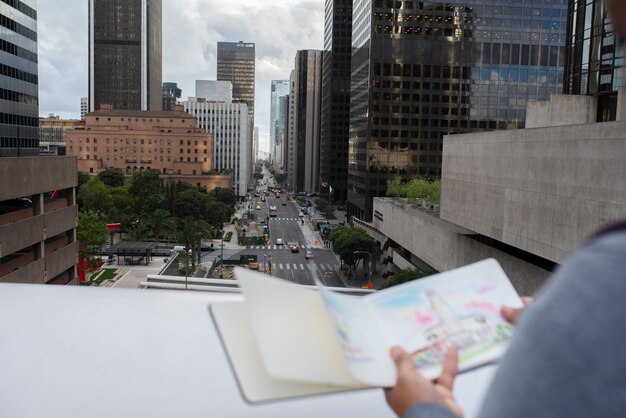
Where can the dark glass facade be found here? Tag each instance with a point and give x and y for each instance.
(171, 93)
(19, 81)
(594, 58)
(235, 63)
(336, 74)
(421, 70)
(125, 54)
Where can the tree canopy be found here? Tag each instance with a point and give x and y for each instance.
(95, 197)
(112, 177)
(404, 276)
(91, 233)
(415, 189)
(349, 243)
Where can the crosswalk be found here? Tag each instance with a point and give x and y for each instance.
(284, 219)
(302, 266)
(271, 247)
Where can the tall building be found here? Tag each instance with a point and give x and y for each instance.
(19, 96)
(421, 70)
(336, 99)
(214, 91)
(594, 59)
(256, 142)
(279, 88)
(170, 95)
(290, 143)
(235, 63)
(84, 107)
(281, 131)
(229, 124)
(125, 58)
(307, 120)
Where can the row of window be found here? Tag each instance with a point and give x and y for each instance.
(12, 25)
(13, 72)
(18, 51)
(22, 7)
(11, 119)
(141, 141)
(416, 70)
(14, 96)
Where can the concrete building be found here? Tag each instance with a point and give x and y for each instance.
(256, 143)
(290, 143)
(229, 127)
(19, 95)
(336, 78)
(280, 88)
(525, 197)
(84, 107)
(169, 142)
(214, 91)
(307, 120)
(52, 134)
(283, 127)
(236, 63)
(125, 57)
(38, 214)
(171, 94)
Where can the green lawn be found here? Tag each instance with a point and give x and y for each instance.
(98, 277)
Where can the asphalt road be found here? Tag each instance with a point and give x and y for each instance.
(288, 265)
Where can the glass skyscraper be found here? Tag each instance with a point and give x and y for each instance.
(19, 81)
(423, 69)
(235, 63)
(594, 59)
(125, 58)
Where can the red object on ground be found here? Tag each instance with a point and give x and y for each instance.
(114, 227)
(82, 268)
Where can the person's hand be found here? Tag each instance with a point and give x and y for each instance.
(412, 388)
(513, 314)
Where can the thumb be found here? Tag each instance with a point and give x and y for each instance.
(403, 361)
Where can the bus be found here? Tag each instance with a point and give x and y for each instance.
(273, 211)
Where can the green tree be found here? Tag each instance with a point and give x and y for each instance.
(143, 185)
(91, 233)
(138, 231)
(347, 241)
(160, 220)
(404, 276)
(154, 203)
(394, 187)
(226, 196)
(123, 205)
(95, 197)
(189, 204)
(191, 233)
(112, 177)
(83, 178)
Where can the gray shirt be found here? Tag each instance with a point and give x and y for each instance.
(568, 356)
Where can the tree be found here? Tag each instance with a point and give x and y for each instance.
(191, 233)
(91, 233)
(123, 204)
(394, 187)
(83, 178)
(403, 276)
(137, 232)
(158, 220)
(143, 185)
(95, 197)
(346, 241)
(226, 196)
(112, 177)
(188, 204)
(154, 203)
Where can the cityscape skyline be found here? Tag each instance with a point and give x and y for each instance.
(64, 65)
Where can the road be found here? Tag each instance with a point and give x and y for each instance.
(285, 264)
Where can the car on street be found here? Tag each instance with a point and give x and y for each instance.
(279, 241)
(295, 249)
(301, 215)
(283, 203)
(258, 207)
(308, 254)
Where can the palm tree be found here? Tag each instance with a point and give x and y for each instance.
(159, 220)
(191, 233)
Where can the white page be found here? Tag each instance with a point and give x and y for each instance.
(461, 306)
(294, 332)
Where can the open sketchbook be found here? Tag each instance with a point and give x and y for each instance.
(287, 340)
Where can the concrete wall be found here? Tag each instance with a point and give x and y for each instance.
(541, 190)
(26, 176)
(560, 110)
(443, 247)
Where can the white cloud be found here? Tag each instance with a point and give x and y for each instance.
(191, 30)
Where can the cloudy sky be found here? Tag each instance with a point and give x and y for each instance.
(191, 30)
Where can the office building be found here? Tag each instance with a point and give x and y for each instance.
(134, 141)
(214, 91)
(255, 149)
(279, 89)
(307, 120)
(336, 75)
(594, 59)
(424, 70)
(125, 58)
(229, 125)
(290, 144)
(84, 107)
(281, 131)
(52, 134)
(236, 63)
(171, 93)
(19, 95)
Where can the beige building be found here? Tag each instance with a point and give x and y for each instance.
(38, 215)
(133, 140)
(52, 134)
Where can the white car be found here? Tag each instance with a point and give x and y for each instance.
(279, 241)
(258, 207)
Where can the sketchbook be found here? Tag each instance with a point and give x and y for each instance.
(286, 340)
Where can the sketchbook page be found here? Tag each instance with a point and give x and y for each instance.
(293, 331)
(460, 307)
(364, 349)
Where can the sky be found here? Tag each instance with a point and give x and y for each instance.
(191, 30)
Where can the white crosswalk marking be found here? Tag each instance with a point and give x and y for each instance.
(288, 267)
(322, 267)
(274, 247)
(302, 245)
(295, 267)
(280, 266)
(302, 266)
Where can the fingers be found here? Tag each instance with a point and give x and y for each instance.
(404, 363)
(450, 368)
(513, 314)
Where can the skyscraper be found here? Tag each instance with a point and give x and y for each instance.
(171, 93)
(235, 63)
(84, 107)
(125, 59)
(421, 70)
(19, 96)
(280, 88)
(307, 121)
(336, 99)
(594, 61)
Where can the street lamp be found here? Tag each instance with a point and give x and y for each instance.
(369, 274)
